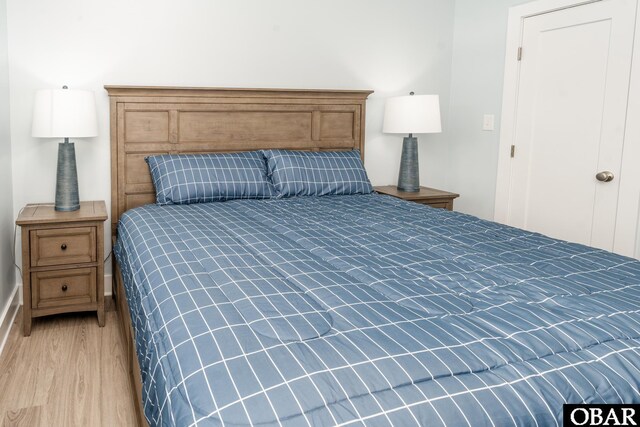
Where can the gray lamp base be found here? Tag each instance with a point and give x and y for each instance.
(67, 198)
(409, 177)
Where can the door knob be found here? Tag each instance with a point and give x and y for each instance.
(605, 176)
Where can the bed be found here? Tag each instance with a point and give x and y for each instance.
(348, 310)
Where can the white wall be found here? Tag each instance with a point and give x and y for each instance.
(476, 88)
(392, 47)
(7, 271)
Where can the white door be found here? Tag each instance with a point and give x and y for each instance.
(570, 120)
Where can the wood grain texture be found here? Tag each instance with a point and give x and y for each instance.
(160, 120)
(63, 287)
(56, 248)
(211, 92)
(31, 416)
(426, 196)
(68, 372)
(26, 278)
(147, 126)
(224, 126)
(43, 213)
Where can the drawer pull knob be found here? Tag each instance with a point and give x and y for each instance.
(63, 246)
(64, 288)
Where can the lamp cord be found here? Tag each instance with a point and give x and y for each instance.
(108, 256)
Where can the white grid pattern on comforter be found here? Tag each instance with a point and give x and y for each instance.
(368, 310)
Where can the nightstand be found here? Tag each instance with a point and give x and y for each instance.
(62, 260)
(426, 196)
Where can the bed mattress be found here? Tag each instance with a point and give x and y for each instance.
(369, 310)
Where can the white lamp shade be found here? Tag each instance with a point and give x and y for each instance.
(412, 114)
(64, 113)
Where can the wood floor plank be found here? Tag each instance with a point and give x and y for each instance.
(115, 411)
(68, 372)
(27, 386)
(80, 383)
(25, 417)
(9, 361)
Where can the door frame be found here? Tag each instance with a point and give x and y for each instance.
(627, 233)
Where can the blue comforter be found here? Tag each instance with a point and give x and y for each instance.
(368, 310)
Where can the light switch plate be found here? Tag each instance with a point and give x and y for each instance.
(488, 122)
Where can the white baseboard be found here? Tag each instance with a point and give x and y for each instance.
(108, 285)
(8, 315)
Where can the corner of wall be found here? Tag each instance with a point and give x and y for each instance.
(7, 270)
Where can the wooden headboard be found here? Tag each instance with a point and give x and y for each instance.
(161, 120)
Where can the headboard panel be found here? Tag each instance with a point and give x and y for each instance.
(161, 120)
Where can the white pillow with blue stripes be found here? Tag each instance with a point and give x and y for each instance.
(308, 173)
(203, 178)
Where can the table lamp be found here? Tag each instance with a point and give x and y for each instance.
(411, 114)
(65, 113)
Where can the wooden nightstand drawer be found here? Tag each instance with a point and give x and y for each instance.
(62, 260)
(63, 287)
(59, 246)
(440, 205)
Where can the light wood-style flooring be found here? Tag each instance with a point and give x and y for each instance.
(69, 372)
